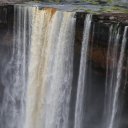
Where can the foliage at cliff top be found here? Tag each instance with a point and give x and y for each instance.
(91, 6)
(90, 1)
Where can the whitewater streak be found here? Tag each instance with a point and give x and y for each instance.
(50, 69)
(114, 75)
(12, 112)
(38, 78)
(79, 110)
(119, 76)
(111, 71)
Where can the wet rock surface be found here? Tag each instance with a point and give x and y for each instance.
(97, 54)
(101, 22)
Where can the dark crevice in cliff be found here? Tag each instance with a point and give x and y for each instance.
(97, 56)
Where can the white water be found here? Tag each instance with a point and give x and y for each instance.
(119, 76)
(79, 110)
(50, 69)
(113, 48)
(12, 111)
(38, 96)
(115, 61)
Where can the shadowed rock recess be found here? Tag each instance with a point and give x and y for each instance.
(63, 65)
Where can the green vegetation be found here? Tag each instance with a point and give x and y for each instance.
(113, 9)
(107, 8)
(91, 2)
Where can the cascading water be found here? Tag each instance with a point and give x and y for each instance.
(113, 83)
(37, 79)
(50, 69)
(113, 48)
(79, 110)
(12, 111)
(59, 90)
(119, 76)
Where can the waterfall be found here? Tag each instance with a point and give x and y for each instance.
(12, 111)
(50, 69)
(55, 75)
(112, 52)
(119, 76)
(113, 83)
(79, 110)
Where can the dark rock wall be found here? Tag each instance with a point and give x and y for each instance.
(97, 56)
(97, 67)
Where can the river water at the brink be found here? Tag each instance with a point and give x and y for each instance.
(59, 71)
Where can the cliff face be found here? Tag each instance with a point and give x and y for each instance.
(97, 56)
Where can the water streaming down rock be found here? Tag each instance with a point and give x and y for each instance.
(37, 66)
(79, 110)
(113, 48)
(50, 69)
(114, 76)
(119, 77)
(59, 90)
(38, 79)
(12, 112)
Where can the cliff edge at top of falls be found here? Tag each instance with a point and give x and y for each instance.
(88, 6)
(106, 13)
